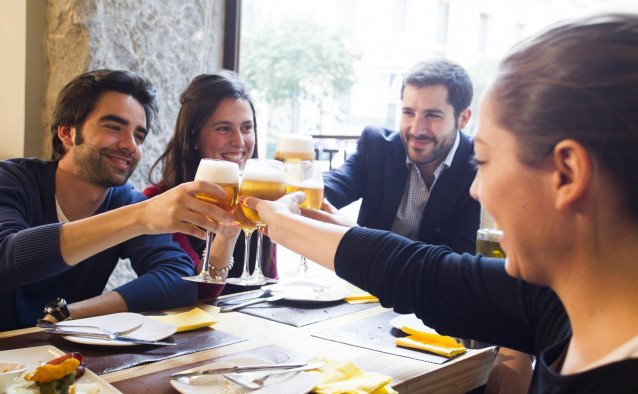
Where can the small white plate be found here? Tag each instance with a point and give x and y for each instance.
(293, 383)
(309, 291)
(151, 330)
(32, 357)
(411, 321)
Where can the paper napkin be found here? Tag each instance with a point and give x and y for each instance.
(345, 377)
(434, 343)
(191, 320)
(358, 296)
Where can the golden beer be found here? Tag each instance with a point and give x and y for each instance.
(263, 190)
(226, 175)
(294, 148)
(229, 203)
(487, 243)
(244, 223)
(314, 195)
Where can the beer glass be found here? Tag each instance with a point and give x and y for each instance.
(294, 147)
(226, 175)
(264, 179)
(305, 176)
(247, 227)
(488, 243)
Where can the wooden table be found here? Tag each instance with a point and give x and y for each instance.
(410, 376)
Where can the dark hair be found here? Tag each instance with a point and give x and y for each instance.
(199, 101)
(77, 99)
(443, 72)
(577, 80)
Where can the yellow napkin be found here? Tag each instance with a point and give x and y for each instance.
(191, 320)
(358, 296)
(344, 377)
(435, 343)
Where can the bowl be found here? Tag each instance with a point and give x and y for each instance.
(9, 372)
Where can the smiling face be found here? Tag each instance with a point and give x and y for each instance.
(229, 134)
(428, 125)
(519, 199)
(107, 147)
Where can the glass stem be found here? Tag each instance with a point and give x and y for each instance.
(258, 256)
(206, 257)
(247, 233)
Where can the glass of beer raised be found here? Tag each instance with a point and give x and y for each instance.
(226, 175)
(294, 147)
(264, 179)
(305, 176)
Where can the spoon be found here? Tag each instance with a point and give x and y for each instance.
(259, 382)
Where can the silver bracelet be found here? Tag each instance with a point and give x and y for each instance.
(227, 268)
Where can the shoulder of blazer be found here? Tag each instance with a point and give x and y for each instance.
(379, 141)
(463, 155)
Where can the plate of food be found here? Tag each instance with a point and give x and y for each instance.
(58, 362)
(150, 330)
(307, 291)
(289, 383)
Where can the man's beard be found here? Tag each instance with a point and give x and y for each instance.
(93, 168)
(440, 150)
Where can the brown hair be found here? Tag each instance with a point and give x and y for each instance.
(577, 80)
(199, 101)
(442, 72)
(77, 99)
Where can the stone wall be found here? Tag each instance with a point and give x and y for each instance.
(168, 41)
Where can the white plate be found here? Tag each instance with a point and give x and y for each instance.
(32, 357)
(309, 291)
(410, 321)
(151, 330)
(292, 383)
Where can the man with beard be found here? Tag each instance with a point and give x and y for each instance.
(65, 223)
(416, 182)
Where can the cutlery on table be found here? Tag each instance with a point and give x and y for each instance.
(274, 297)
(108, 337)
(265, 293)
(112, 334)
(186, 376)
(259, 382)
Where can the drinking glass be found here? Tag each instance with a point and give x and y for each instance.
(294, 147)
(305, 176)
(264, 179)
(488, 243)
(226, 175)
(247, 227)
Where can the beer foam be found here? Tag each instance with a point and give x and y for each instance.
(264, 174)
(217, 171)
(295, 143)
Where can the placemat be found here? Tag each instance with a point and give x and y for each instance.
(156, 384)
(376, 333)
(297, 314)
(105, 359)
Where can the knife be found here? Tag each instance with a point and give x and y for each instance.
(108, 338)
(235, 369)
(274, 297)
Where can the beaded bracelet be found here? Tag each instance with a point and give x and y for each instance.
(227, 268)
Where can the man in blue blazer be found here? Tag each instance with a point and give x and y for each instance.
(416, 182)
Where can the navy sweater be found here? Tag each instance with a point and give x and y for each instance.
(32, 271)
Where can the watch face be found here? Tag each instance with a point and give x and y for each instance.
(55, 305)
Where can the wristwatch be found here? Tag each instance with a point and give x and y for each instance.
(58, 309)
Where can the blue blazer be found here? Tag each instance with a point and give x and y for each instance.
(377, 174)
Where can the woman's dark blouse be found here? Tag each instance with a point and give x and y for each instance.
(470, 296)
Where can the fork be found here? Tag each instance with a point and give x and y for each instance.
(112, 334)
(259, 382)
